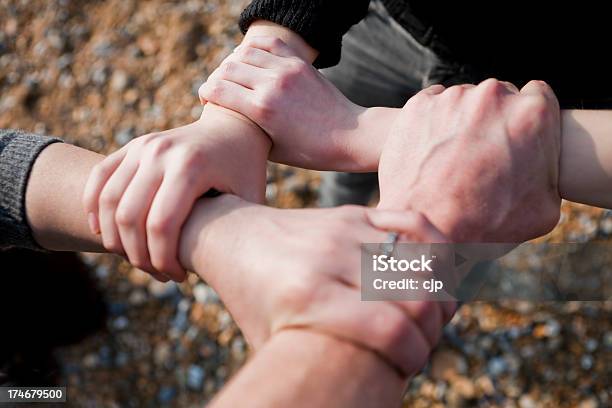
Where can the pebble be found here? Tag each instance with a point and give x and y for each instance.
(91, 360)
(124, 136)
(607, 341)
(162, 353)
(166, 394)
(137, 297)
(446, 364)
(160, 290)
(591, 345)
(102, 272)
(119, 81)
(120, 323)
(195, 377)
(586, 362)
(497, 366)
(605, 226)
(99, 75)
(205, 294)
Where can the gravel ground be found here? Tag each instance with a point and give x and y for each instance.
(102, 72)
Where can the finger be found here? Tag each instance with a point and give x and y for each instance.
(95, 183)
(378, 326)
(109, 200)
(229, 95)
(433, 90)
(258, 58)
(539, 88)
(510, 86)
(412, 225)
(165, 220)
(132, 213)
(273, 45)
(240, 73)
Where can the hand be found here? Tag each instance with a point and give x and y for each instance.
(139, 197)
(278, 269)
(309, 121)
(480, 161)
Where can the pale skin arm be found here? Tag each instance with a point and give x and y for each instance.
(320, 365)
(325, 372)
(586, 151)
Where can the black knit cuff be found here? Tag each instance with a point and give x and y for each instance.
(18, 152)
(321, 23)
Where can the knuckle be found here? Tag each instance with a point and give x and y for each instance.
(159, 226)
(275, 43)
(297, 66)
(124, 217)
(108, 199)
(162, 263)
(158, 146)
(296, 294)
(113, 246)
(228, 68)
(283, 81)
(215, 90)
(454, 92)
(247, 53)
(263, 109)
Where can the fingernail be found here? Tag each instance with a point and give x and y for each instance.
(92, 220)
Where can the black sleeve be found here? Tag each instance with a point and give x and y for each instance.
(321, 23)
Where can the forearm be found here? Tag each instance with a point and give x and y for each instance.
(586, 157)
(322, 371)
(355, 377)
(58, 222)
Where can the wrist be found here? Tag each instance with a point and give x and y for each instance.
(214, 227)
(361, 145)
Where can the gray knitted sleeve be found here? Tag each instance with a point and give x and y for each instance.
(18, 151)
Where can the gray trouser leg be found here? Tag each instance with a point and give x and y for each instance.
(381, 65)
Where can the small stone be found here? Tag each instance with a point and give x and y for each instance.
(137, 297)
(551, 328)
(205, 294)
(527, 402)
(121, 359)
(586, 362)
(131, 96)
(605, 226)
(119, 81)
(99, 75)
(64, 61)
(120, 323)
(485, 384)
(589, 403)
(497, 366)
(117, 308)
(446, 364)
(184, 305)
(103, 49)
(91, 360)
(591, 345)
(166, 394)
(195, 377)
(464, 387)
(162, 353)
(124, 136)
(607, 340)
(102, 272)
